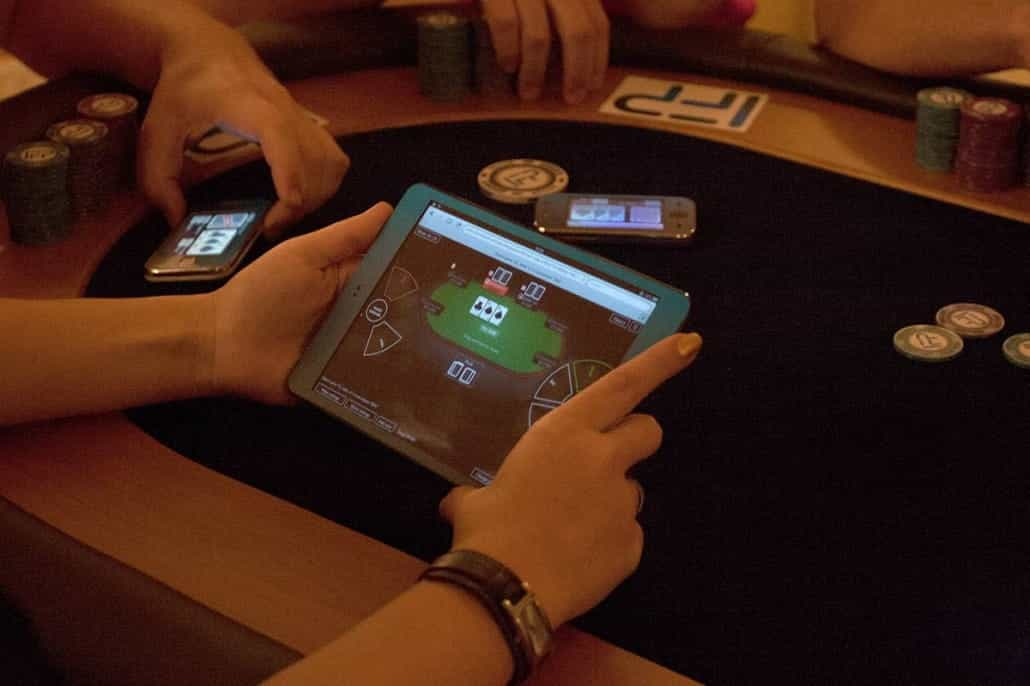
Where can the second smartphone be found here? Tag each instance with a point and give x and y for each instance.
(616, 218)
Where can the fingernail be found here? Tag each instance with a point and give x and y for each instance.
(689, 345)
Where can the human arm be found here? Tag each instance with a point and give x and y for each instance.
(203, 74)
(928, 37)
(566, 526)
(89, 355)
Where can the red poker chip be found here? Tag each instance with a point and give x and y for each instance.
(987, 159)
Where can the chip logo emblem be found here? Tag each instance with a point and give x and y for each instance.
(108, 104)
(77, 132)
(989, 107)
(38, 153)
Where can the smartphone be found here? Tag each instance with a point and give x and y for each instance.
(616, 218)
(209, 243)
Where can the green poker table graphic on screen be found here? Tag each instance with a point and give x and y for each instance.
(497, 328)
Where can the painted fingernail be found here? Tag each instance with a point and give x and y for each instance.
(689, 345)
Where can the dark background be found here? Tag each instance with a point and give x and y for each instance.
(823, 510)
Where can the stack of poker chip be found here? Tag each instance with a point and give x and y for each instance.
(937, 126)
(988, 149)
(119, 112)
(489, 78)
(444, 56)
(35, 191)
(93, 172)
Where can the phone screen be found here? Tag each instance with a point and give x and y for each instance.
(643, 214)
(210, 234)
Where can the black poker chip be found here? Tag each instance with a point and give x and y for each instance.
(444, 56)
(35, 192)
(490, 80)
(120, 112)
(94, 171)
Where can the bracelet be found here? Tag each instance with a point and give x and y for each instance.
(509, 601)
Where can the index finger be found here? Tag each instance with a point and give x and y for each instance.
(617, 393)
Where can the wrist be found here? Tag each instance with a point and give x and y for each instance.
(509, 601)
(546, 585)
(210, 380)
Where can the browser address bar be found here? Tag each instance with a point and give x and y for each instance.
(539, 261)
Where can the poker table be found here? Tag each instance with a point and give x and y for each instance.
(822, 509)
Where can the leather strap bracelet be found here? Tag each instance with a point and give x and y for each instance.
(508, 599)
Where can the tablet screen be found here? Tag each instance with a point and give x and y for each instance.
(471, 335)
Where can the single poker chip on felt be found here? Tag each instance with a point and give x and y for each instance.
(970, 320)
(1017, 349)
(522, 181)
(927, 343)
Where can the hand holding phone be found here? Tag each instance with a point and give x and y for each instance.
(209, 243)
(616, 218)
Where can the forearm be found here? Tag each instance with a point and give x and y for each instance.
(127, 38)
(432, 634)
(928, 37)
(236, 12)
(66, 357)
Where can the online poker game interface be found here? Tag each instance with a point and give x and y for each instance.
(470, 336)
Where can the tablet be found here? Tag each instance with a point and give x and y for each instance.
(461, 329)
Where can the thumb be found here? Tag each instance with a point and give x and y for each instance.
(344, 239)
(452, 502)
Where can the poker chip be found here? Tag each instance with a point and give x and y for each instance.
(444, 56)
(938, 117)
(1017, 350)
(519, 182)
(988, 149)
(120, 112)
(35, 191)
(927, 343)
(93, 173)
(489, 79)
(970, 320)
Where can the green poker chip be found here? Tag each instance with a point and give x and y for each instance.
(1017, 350)
(927, 343)
(445, 58)
(938, 118)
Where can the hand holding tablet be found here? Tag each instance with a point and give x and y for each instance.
(460, 330)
